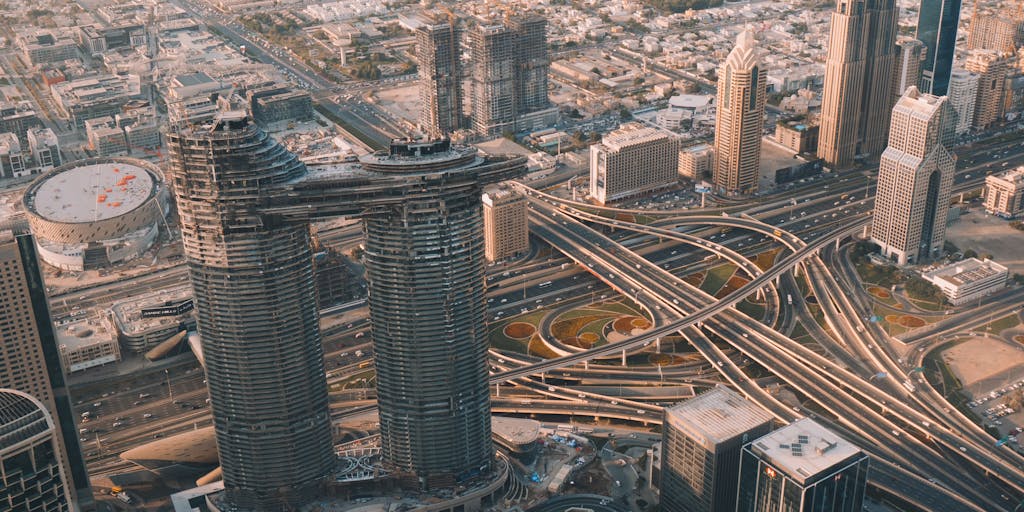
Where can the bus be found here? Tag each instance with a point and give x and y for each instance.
(544, 284)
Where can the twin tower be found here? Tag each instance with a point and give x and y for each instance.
(245, 204)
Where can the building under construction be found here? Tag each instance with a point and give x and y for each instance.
(440, 67)
(245, 206)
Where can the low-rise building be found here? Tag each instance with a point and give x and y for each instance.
(90, 98)
(1004, 193)
(695, 161)
(45, 148)
(18, 117)
(45, 46)
(279, 103)
(797, 136)
(12, 160)
(144, 322)
(105, 137)
(631, 161)
(506, 229)
(968, 280)
(86, 343)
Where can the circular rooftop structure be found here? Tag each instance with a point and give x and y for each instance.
(96, 212)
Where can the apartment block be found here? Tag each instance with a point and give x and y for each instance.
(631, 161)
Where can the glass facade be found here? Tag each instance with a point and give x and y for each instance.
(766, 488)
(936, 28)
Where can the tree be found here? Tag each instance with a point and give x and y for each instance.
(920, 289)
(970, 253)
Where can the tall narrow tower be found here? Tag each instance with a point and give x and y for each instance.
(493, 71)
(858, 74)
(909, 54)
(936, 28)
(245, 207)
(532, 63)
(741, 96)
(440, 68)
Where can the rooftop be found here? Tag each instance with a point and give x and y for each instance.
(632, 134)
(968, 271)
(717, 415)
(128, 313)
(803, 449)
(1011, 177)
(91, 191)
(84, 333)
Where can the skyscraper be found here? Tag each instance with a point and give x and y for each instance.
(1002, 31)
(252, 276)
(509, 72)
(701, 446)
(990, 66)
(963, 93)
(858, 72)
(936, 27)
(741, 96)
(440, 68)
(802, 467)
(245, 206)
(32, 479)
(915, 177)
(30, 360)
(633, 160)
(909, 55)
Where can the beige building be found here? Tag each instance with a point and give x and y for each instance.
(506, 228)
(1004, 193)
(797, 136)
(87, 343)
(990, 66)
(915, 177)
(742, 85)
(1000, 31)
(856, 101)
(29, 358)
(963, 93)
(910, 53)
(631, 161)
(696, 161)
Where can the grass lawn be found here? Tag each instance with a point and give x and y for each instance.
(755, 311)
(1004, 323)
(926, 305)
(717, 277)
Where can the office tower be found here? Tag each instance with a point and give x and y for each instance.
(1004, 194)
(963, 92)
(701, 446)
(990, 66)
(31, 359)
(252, 276)
(509, 74)
(802, 467)
(32, 479)
(506, 227)
(855, 104)
(936, 27)
(245, 206)
(440, 68)
(909, 55)
(741, 96)
(915, 176)
(632, 160)
(532, 63)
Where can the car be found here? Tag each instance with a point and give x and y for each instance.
(147, 415)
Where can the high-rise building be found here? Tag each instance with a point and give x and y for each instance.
(742, 85)
(802, 467)
(506, 226)
(937, 22)
(915, 177)
(910, 53)
(30, 360)
(245, 205)
(1004, 194)
(856, 101)
(963, 93)
(32, 479)
(990, 66)
(1001, 31)
(632, 160)
(257, 315)
(701, 446)
(509, 74)
(440, 68)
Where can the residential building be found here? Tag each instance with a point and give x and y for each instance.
(31, 359)
(46, 46)
(741, 98)
(963, 94)
(968, 280)
(793, 467)
(910, 54)
(506, 226)
(1000, 31)
(440, 66)
(18, 117)
(701, 445)
(98, 39)
(990, 66)
(45, 148)
(797, 136)
(105, 137)
(915, 177)
(631, 161)
(856, 101)
(32, 479)
(937, 22)
(696, 162)
(12, 160)
(1004, 193)
(532, 63)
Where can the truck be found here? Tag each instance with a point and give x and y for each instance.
(910, 387)
(123, 496)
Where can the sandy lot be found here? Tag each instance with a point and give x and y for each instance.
(983, 364)
(989, 234)
(403, 102)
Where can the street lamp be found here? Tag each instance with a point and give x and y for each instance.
(170, 391)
